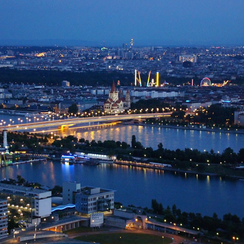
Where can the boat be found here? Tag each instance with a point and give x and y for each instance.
(74, 159)
(68, 159)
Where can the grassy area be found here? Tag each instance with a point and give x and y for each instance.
(84, 229)
(126, 238)
(223, 171)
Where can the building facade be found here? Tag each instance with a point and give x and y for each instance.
(69, 188)
(94, 199)
(191, 58)
(3, 219)
(28, 201)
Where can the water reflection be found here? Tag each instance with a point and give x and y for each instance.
(139, 186)
(151, 136)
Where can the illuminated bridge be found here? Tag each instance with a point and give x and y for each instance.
(74, 121)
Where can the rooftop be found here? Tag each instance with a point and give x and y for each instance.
(21, 189)
(89, 190)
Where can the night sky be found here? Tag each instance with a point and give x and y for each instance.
(148, 22)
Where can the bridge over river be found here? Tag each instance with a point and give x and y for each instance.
(74, 121)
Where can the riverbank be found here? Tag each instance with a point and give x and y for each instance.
(194, 127)
(162, 167)
(29, 161)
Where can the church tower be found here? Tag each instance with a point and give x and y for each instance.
(114, 94)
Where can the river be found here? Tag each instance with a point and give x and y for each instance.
(151, 136)
(137, 186)
(171, 138)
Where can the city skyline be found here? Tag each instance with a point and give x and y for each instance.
(189, 22)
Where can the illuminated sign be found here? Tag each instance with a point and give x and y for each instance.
(96, 220)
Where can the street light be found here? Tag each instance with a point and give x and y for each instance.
(163, 239)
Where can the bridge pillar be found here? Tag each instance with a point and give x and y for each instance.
(5, 142)
(63, 127)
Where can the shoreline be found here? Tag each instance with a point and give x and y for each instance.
(169, 169)
(217, 130)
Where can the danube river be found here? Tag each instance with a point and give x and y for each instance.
(138, 186)
(171, 138)
(149, 135)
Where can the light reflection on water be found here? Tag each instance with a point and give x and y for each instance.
(151, 136)
(139, 186)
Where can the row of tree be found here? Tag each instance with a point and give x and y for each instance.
(37, 143)
(136, 149)
(229, 226)
(228, 156)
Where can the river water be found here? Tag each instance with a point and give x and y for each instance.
(137, 186)
(171, 138)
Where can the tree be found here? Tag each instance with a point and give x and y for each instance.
(155, 206)
(73, 109)
(160, 208)
(229, 156)
(178, 114)
(174, 210)
(241, 155)
(57, 190)
(11, 225)
(124, 145)
(160, 146)
(20, 179)
(133, 141)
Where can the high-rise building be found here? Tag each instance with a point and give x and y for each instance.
(131, 43)
(3, 219)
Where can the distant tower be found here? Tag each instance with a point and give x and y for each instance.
(114, 94)
(131, 43)
(5, 141)
(135, 77)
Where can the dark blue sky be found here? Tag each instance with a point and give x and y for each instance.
(149, 22)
